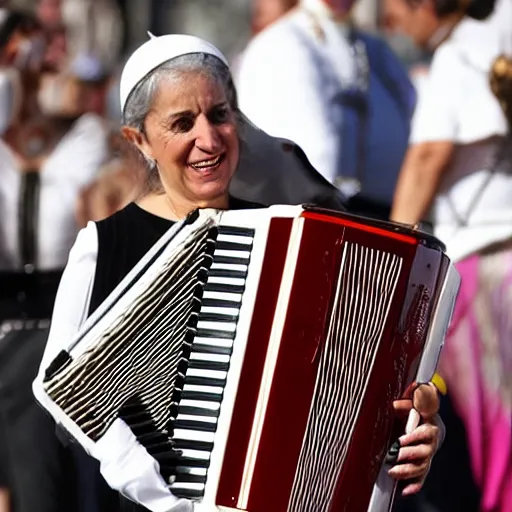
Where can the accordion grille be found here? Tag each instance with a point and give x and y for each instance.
(135, 369)
(365, 290)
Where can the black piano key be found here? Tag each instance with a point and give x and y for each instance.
(211, 349)
(208, 365)
(143, 428)
(225, 288)
(188, 494)
(204, 381)
(188, 444)
(217, 317)
(218, 303)
(202, 395)
(222, 272)
(165, 455)
(231, 246)
(210, 333)
(190, 477)
(198, 411)
(230, 260)
(236, 231)
(163, 450)
(202, 426)
(193, 463)
(153, 438)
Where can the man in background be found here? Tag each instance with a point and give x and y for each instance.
(339, 93)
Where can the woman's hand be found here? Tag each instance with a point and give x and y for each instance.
(420, 442)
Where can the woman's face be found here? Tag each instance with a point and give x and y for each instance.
(266, 12)
(418, 20)
(340, 7)
(191, 134)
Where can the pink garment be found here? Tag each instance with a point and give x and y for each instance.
(477, 365)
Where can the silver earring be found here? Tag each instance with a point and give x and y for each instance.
(151, 163)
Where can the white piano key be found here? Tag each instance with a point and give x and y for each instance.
(217, 326)
(191, 417)
(200, 404)
(207, 374)
(230, 281)
(191, 471)
(196, 454)
(214, 342)
(220, 311)
(232, 297)
(193, 435)
(232, 254)
(229, 266)
(236, 239)
(201, 356)
(214, 390)
(187, 485)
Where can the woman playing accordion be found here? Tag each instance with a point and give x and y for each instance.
(180, 112)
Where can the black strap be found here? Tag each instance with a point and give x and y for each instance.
(360, 97)
(28, 209)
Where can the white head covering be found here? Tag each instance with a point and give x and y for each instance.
(271, 170)
(155, 52)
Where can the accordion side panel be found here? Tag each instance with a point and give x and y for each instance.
(313, 400)
(237, 446)
(396, 366)
(386, 380)
(294, 378)
(358, 319)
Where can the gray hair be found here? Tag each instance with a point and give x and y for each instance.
(141, 98)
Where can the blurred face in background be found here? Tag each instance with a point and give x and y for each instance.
(49, 13)
(24, 50)
(266, 12)
(340, 7)
(415, 18)
(57, 49)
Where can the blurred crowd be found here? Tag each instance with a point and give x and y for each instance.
(405, 105)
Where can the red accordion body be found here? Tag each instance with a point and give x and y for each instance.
(329, 349)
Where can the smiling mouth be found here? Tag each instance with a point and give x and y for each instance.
(208, 165)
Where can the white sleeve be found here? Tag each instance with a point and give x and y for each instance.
(280, 91)
(74, 294)
(435, 117)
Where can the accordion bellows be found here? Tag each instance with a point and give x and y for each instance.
(250, 361)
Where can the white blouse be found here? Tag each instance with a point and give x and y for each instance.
(74, 294)
(473, 208)
(73, 164)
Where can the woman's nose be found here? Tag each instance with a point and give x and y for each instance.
(207, 136)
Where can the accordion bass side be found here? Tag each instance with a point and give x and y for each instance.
(255, 355)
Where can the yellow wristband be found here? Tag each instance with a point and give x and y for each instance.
(439, 383)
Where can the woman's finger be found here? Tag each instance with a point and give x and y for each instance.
(413, 488)
(426, 400)
(424, 434)
(402, 407)
(420, 452)
(412, 421)
(409, 471)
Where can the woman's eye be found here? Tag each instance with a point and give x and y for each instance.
(220, 115)
(183, 125)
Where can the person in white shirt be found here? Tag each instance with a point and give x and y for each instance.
(44, 163)
(338, 92)
(459, 164)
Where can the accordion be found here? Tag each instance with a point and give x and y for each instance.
(250, 361)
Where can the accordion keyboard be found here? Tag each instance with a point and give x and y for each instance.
(205, 379)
